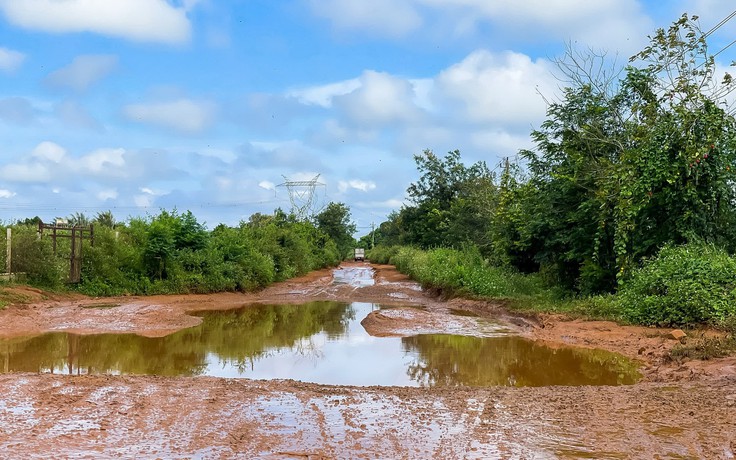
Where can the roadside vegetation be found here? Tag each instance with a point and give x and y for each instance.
(624, 210)
(172, 252)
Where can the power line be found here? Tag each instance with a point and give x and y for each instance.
(720, 24)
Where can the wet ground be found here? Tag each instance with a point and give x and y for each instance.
(678, 410)
(323, 342)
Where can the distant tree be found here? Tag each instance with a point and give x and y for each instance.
(450, 202)
(105, 219)
(334, 220)
(78, 219)
(32, 221)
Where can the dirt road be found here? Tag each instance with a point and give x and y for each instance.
(677, 411)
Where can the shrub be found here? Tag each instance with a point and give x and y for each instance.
(464, 272)
(682, 285)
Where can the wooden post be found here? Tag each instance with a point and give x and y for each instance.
(73, 258)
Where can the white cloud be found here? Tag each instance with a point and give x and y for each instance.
(267, 185)
(363, 186)
(143, 201)
(6, 193)
(147, 197)
(390, 204)
(139, 20)
(31, 172)
(615, 24)
(392, 18)
(182, 115)
(323, 95)
(382, 98)
(83, 72)
(488, 87)
(107, 160)
(108, 194)
(10, 60)
(49, 151)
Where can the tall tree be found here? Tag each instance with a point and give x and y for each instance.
(449, 202)
(618, 173)
(335, 221)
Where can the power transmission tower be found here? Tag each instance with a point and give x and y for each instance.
(301, 195)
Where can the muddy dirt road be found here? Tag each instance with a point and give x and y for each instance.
(677, 410)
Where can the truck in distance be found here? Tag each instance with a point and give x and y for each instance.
(359, 254)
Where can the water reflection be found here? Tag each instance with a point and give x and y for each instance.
(319, 342)
(512, 361)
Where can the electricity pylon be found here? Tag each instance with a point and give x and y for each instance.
(301, 195)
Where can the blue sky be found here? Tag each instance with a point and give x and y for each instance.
(206, 105)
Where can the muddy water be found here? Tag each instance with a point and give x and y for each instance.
(320, 342)
(354, 276)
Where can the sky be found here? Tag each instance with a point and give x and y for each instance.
(134, 106)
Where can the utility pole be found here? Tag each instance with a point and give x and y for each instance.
(373, 235)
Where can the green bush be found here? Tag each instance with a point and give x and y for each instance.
(682, 285)
(36, 258)
(382, 254)
(464, 272)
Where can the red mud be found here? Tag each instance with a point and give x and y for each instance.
(677, 411)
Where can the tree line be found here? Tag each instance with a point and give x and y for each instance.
(627, 162)
(172, 252)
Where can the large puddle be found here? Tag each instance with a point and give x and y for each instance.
(321, 342)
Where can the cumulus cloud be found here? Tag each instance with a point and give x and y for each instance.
(83, 72)
(392, 18)
(603, 23)
(107, 194)
(381, 99)
(6, 193)
(50, 162)
(139, 20)
(503, 87)
(322, 95)
(49, 151)
(267, 185)
(182, 115)
(105, 160)
(10, 60)
(147, 197)
(363, 186)
(26, 172)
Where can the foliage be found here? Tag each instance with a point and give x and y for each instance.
(619, 172)
(172, 252)
(35, 258)
(335, 222)
(450, 204)
(382, 254)
(105, 219)
(682, 285)
(463, 272)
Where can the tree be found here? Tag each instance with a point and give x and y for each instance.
(78, 219)
(619, 172)
(334, 220)
(449, 202)
(105, 219)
